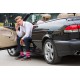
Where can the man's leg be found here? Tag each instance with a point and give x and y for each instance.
(27, 43)
(19, 48)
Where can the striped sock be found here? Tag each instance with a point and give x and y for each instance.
(28, 54)
(21, 53)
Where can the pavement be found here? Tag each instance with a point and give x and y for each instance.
(7, 60)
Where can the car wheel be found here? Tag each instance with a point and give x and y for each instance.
(50, 53)
(12, 52)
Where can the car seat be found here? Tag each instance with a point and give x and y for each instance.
(65, 15)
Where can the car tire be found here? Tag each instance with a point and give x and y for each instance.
(12, 52)
(50, 53)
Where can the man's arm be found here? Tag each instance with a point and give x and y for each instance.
(17, 27)
(19, 33)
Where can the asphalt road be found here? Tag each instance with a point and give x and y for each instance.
(6, 60)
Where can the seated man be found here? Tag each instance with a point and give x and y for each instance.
(45, 17)
(23, 36)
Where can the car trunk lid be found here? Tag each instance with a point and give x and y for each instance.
(73, 28)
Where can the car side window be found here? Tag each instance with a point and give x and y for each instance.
(34, 18)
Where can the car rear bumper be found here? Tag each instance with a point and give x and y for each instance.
(69, 47)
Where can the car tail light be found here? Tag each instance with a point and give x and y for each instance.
(72, 28)
(79, 27)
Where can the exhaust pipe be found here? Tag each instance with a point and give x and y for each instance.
(77, 53)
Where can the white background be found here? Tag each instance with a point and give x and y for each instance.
(39, 72)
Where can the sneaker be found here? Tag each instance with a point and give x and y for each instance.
(26, 58)
(19, 57)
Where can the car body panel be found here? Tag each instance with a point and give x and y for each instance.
(70, 47)
(66, 43)
(7, 37)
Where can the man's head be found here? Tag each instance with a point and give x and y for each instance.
(19, 20)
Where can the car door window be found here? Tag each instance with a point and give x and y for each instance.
(37, 16)
(34, 18)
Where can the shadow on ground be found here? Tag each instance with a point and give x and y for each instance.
(70, 61)
(65, 61)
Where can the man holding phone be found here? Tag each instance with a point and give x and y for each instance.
(23, 36)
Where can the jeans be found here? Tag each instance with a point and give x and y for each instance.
(27, 42)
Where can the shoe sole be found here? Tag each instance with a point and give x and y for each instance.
(25, 59)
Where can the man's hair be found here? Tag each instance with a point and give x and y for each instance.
(18, 17)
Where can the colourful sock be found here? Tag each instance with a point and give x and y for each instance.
(21, 53)
(28, 54)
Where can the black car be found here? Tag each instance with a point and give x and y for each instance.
(58, 37)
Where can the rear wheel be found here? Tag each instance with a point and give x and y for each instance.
(12, 52)
(50, 53)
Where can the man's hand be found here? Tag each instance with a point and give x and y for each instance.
(16, 27)
(21, 42)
